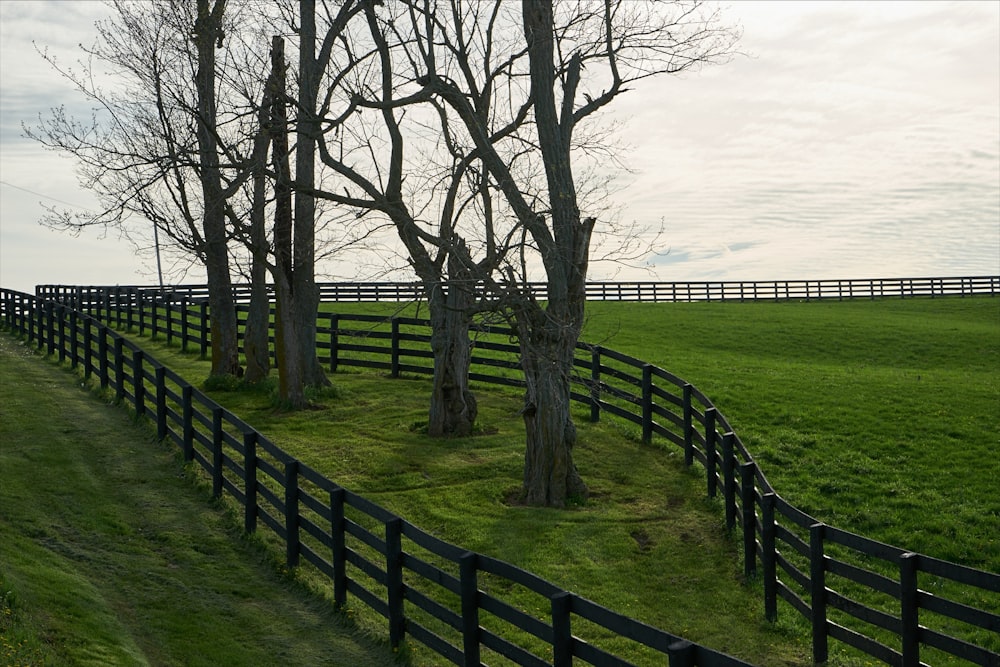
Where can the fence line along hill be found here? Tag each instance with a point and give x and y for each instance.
(824, 573)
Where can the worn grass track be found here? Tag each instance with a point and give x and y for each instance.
(111, 555)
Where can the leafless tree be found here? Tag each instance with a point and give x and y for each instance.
(512, 95)
(157, 150)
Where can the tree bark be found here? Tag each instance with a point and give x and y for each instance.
(289, 353)
(453, 408)
(547, 344)
(548, 336)
(256, 350)
(304, 289)
(225, 349)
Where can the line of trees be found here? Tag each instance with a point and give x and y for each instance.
(469, 130)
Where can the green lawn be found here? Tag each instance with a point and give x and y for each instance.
(111, 555)
(877, 417)
(881, 417)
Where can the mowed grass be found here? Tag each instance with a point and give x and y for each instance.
(111, 555)
(647, 544)
(877, 417)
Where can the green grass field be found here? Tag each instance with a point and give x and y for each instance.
(877, 417)
(110, 555)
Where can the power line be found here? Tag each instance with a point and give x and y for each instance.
(43, 196)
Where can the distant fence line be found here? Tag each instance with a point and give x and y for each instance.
(649, 291)
(814, 567)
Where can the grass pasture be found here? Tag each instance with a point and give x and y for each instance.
(110, 555)
(879, 417)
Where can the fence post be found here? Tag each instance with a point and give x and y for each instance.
(748, 497)
(168, 316)
(204, 329)
(729, 479)
(88, 351)
(769, 557)
(292, 513)
(817, 585)
(334, 341)
(161, 402)
(470, 608)
(187, 410)
(688, 426)
(250, 481)
(119, 369)
(909, 609)
(61, 329)
(50, 329)
(681, 654)
(102, 356)
(138, 384)
(339, 547)
(595, 383)
(394, 372)
(74, 345)
(130, 309)
(140, 302)
(184, 323)
(710, 456)
(154, 318)
(41, 309)
(217, 460)
(394, 580)
(562, 633)
(647, 403)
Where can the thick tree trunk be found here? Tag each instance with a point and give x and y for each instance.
(306, 294)
(222, 307)
(255, 335)
(453, 407)
(290, 385)
(550, 475)
(287, 347)
(255, 344)
(225, 349)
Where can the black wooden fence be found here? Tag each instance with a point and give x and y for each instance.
(773, 290)
(872, 596)
(425, 588)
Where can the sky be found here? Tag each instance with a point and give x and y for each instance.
(847, 140)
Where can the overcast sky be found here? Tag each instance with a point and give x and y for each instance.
(853, 140)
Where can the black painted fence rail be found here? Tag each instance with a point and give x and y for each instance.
(772, 290)
(817, 569)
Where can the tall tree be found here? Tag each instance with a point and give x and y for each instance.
(303, 275)
(466, 60)
(158, 153)
(208, 35)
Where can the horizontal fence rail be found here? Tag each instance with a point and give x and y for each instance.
(871, 596)
(426, 589)
(651, 291)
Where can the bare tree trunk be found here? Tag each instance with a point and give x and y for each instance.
(255, 335)
(550, 475)
(548, 336)
(304, 289)
(255, 343)
(225, 350)
(453, 407)
(290, 371)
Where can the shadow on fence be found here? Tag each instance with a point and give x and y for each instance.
(871, 596)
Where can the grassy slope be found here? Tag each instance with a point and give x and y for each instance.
(109, 556)
(877, 417)
(897, 393)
